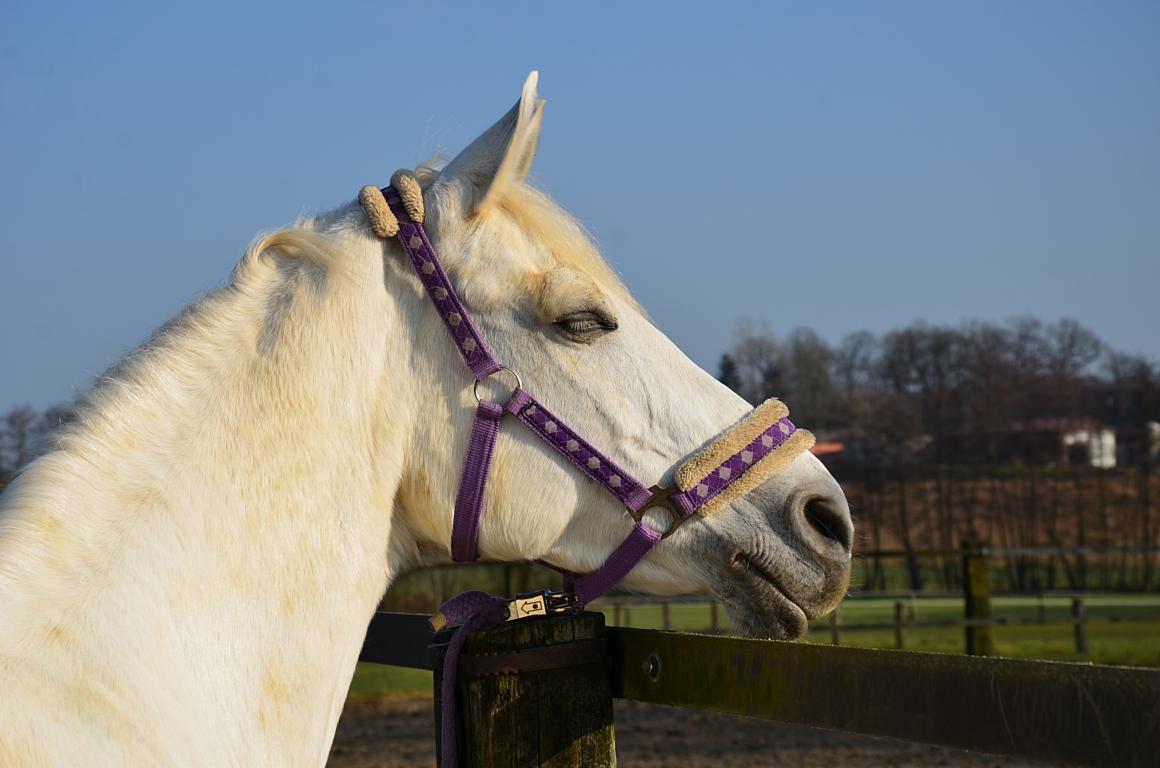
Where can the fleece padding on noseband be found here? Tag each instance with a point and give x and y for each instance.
(732, 442)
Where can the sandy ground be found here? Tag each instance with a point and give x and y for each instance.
(398, 732)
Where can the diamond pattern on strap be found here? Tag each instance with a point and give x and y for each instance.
(586, 458)
(464, 334)
(732, 468)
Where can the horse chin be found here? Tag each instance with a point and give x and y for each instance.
(757, 603)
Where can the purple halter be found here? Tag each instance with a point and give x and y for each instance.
(555, 432)
(475, 610)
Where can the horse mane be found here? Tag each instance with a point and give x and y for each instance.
(147, 484)
(96, 412)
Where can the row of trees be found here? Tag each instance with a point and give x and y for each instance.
(940, 383)
(939, 425)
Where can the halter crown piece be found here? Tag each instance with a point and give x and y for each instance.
(740, 459)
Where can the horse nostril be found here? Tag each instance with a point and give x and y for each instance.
(829, 522)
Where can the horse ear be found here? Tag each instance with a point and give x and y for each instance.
(503, 154)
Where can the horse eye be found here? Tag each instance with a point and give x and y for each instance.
(585, 325)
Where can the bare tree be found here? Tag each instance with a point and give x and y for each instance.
(757, 358)
(19, 436)
(854, 361)
(810, 390)
(1071, 348)
(727, 372)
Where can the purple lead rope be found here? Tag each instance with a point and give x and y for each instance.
(472, 611)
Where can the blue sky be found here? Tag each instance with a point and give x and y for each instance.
(847, 166)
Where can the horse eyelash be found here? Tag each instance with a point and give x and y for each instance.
(599, 321)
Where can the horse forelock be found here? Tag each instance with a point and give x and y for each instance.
(570, 244)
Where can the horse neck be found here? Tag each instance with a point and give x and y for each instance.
(203, 550)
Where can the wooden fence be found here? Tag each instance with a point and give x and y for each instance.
(903, 618)
(979, 640)
(1022, 569)
(428, 588)
(977, 622)
(540, 692)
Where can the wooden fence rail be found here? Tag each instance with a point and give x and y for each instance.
(1059, 712)
(977, 622)
(903, 619)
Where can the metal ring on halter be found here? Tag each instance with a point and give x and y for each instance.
(662, 499)
(502, 368)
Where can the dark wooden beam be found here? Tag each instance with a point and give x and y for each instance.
(1067, 713)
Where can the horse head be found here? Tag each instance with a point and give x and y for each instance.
(556, 313)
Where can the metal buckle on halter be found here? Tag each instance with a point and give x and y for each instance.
(542, 602)
(662, 498)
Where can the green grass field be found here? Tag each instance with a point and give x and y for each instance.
(379, 679)
(1108, 643)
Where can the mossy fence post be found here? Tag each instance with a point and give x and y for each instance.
(534, 693)
(1078, 618)
(980, 633)
(899, 624)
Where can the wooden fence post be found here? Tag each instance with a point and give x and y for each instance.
(665, 622)
(616, 614)
(713, 621)
(899, 624)
(534, 693)
(977, 601)
(836, 627)
(1079, 616)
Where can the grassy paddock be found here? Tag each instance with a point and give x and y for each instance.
(380, 680)
(1109, 643)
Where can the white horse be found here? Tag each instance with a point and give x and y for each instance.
(187, 576)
